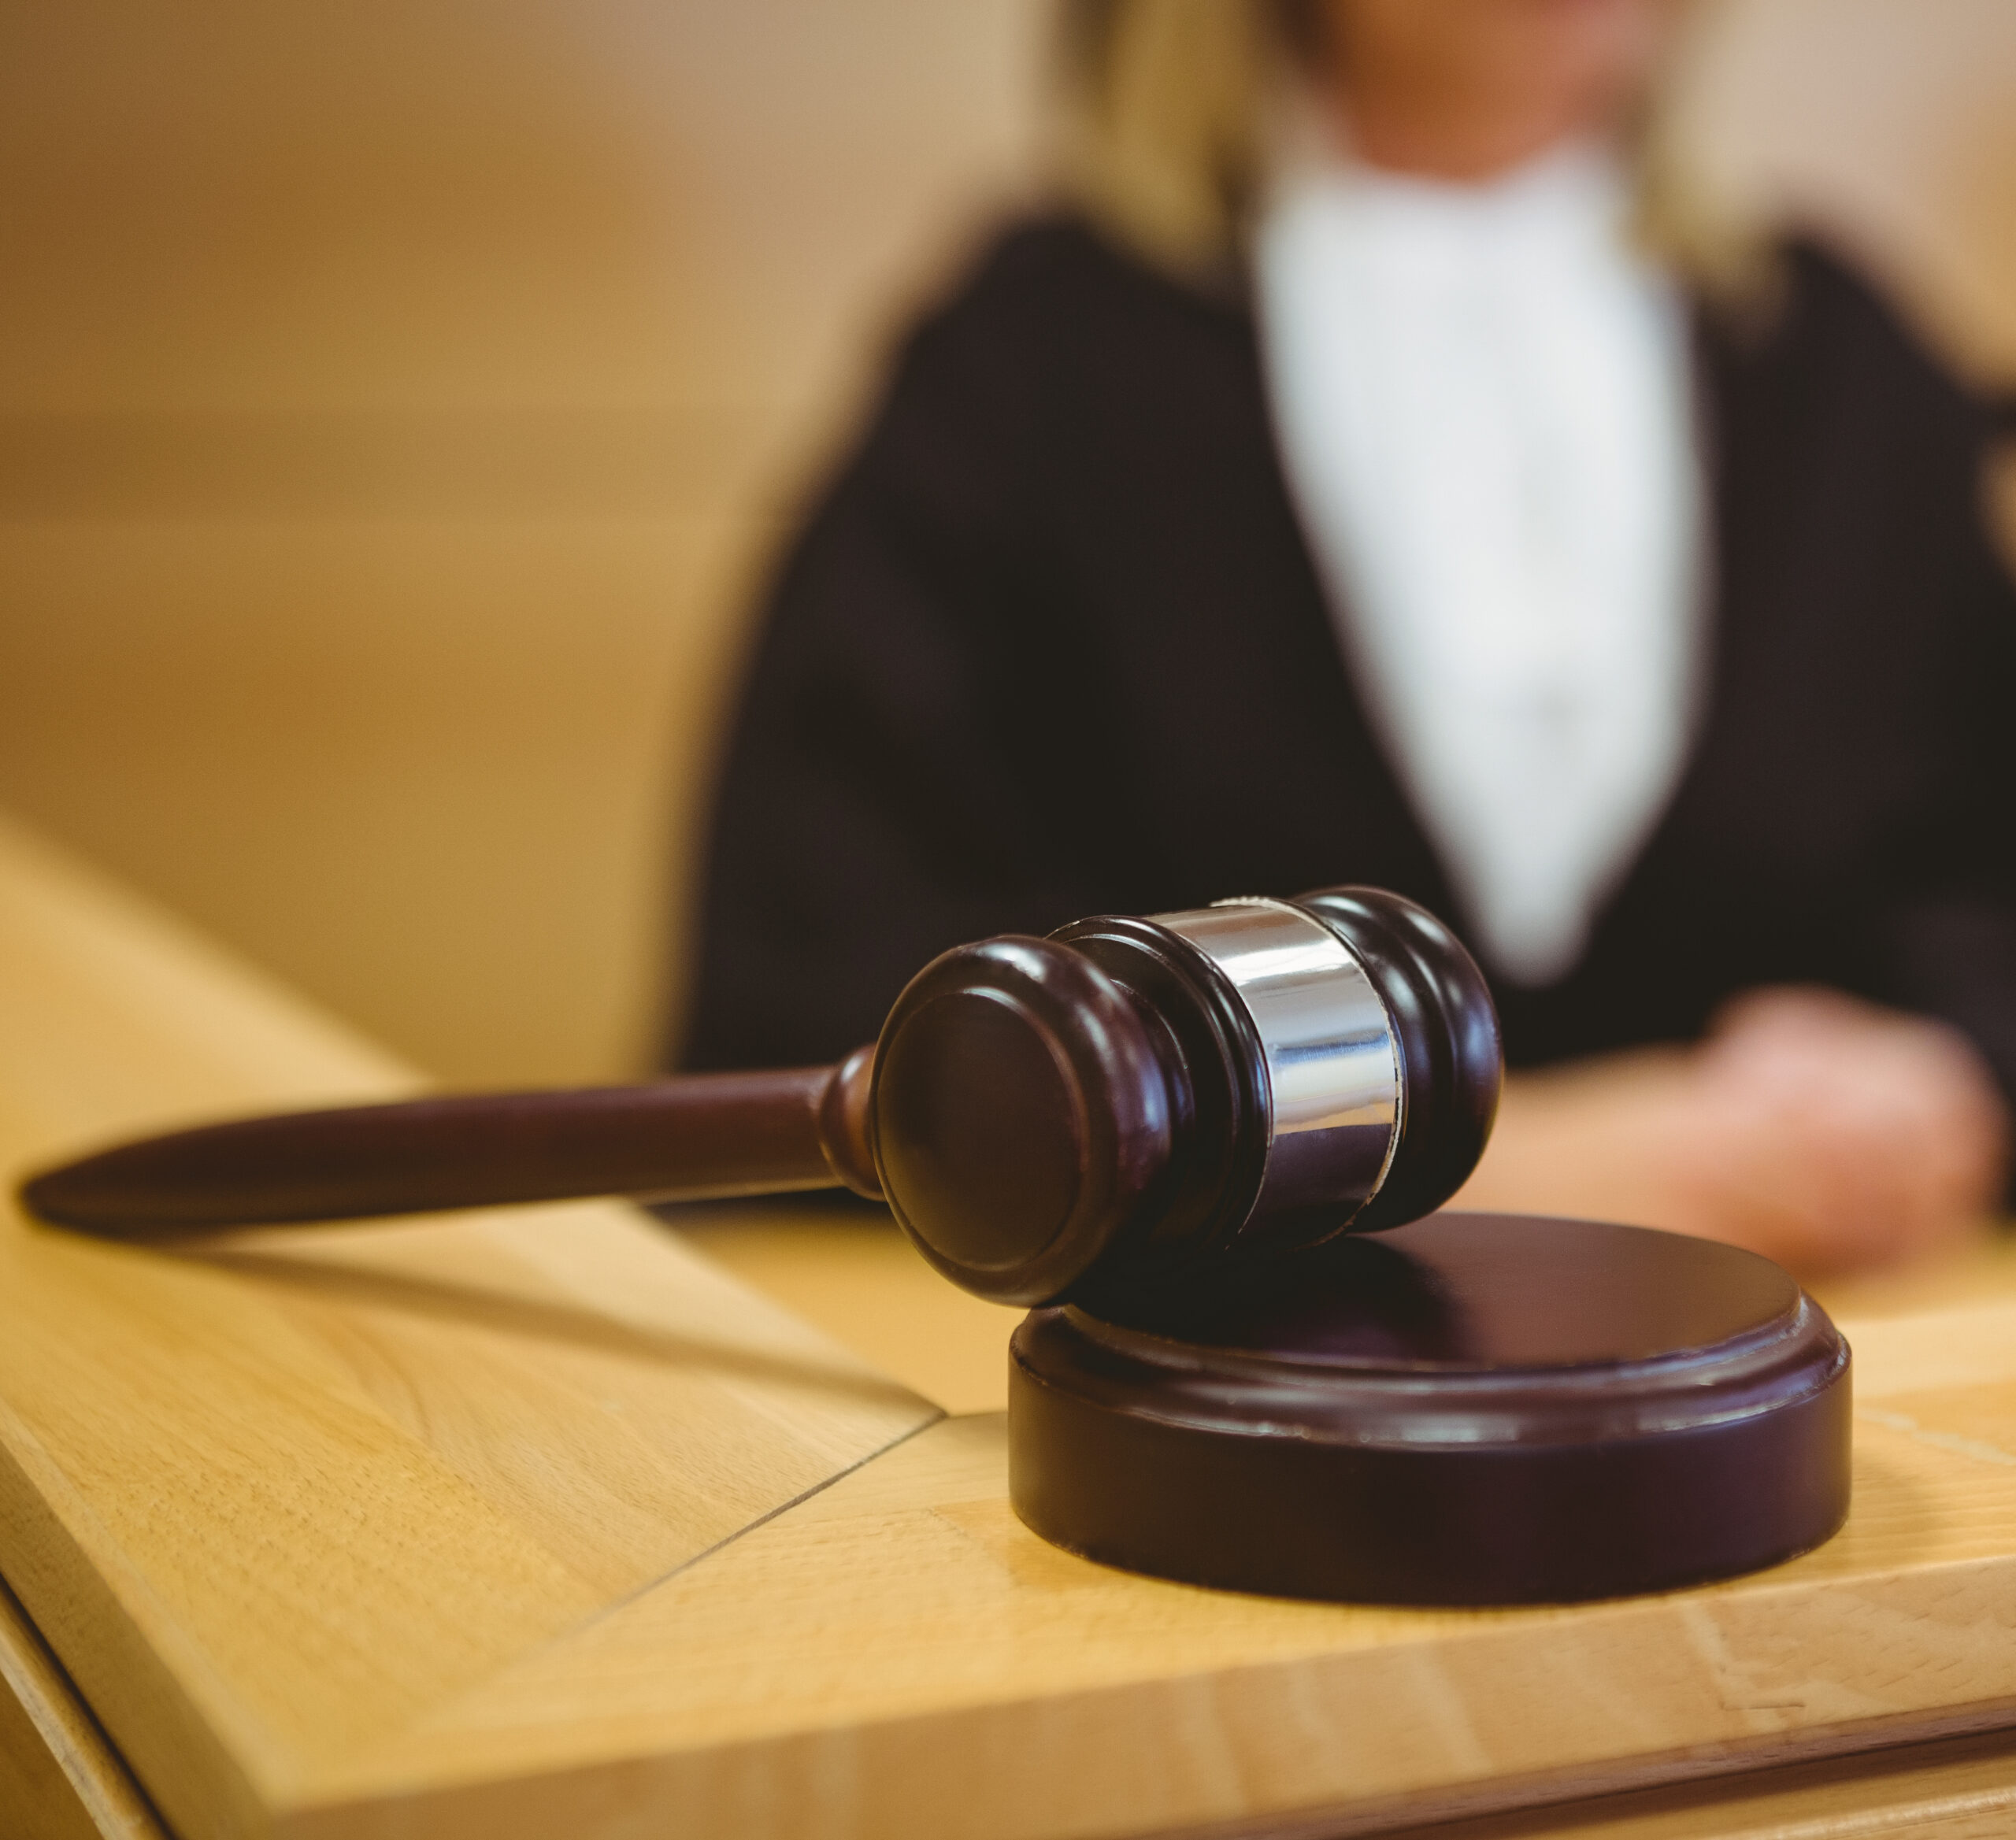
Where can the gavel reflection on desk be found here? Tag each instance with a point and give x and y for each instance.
(1173, 1136)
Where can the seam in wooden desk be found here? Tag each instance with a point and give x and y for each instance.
(1511, 1810)
(728, 1540)
(108, 1792)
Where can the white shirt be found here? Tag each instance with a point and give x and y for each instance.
(1484, 401)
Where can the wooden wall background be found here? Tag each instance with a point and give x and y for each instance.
(398, 398)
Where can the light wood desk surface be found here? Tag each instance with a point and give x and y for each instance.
(547, 1523)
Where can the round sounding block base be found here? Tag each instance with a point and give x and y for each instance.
(1476, 1409)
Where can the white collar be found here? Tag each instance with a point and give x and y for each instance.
(1484, 403)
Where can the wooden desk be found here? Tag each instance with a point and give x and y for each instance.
(544, 1523)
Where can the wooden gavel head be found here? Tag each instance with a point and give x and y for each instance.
(1132, 1098)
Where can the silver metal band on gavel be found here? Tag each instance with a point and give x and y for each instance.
(1336, 1090)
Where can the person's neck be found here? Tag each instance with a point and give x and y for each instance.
(1460, 145)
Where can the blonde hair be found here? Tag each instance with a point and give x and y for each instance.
(1164, 121)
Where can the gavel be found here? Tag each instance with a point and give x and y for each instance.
(1180, 1129)
(1122, 1101)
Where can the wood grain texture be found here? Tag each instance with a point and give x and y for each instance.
(272, 1502)
(899, 1655)
(465, 1529)
(849, 1269)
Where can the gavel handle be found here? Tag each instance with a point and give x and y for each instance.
(700, 1136)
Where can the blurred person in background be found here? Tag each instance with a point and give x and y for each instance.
(1378, 468)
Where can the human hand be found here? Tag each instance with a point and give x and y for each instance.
(1827, 1133)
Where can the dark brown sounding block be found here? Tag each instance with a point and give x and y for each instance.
(1476, 1409)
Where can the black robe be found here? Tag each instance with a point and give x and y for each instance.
(1053, 644)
